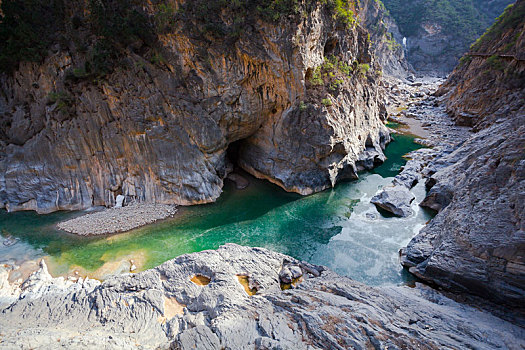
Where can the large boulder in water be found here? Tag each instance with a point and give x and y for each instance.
(395, 199)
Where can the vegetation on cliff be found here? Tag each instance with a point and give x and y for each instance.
(465, 19)
(489, 81)
(103, 30)
(439, 32)
(509, 20)
(25, 33)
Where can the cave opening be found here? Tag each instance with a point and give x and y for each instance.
(330, 47)
(235, 173)
(233, 153)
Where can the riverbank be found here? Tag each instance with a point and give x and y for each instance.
(418, 112)
(117, 220)
(421, 113)
(337, 228)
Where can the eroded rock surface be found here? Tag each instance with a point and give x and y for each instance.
(477, 240)
(476, 243)
(165, 307)
(395, 199)
(158, 129)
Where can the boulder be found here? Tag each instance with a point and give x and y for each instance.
(119, 201)
(395, 199)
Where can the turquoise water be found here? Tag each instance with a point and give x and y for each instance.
(338, 228)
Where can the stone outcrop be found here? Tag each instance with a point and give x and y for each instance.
(476, 241)
(157, 127)
(234, 298)
(395, 199)
(387, 41)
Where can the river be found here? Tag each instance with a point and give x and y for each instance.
(338, 228)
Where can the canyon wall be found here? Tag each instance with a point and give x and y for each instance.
(151, 113)
(476, 243)
(439, 32)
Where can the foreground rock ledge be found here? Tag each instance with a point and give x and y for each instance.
(205, 300)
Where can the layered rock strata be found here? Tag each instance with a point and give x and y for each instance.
(158, 126)
(476, 243)
(235, 298)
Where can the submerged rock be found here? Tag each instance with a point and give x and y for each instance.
(163, 308)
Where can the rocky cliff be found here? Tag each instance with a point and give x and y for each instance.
(439, 32)
(239, 298)
(145, 100)
(489, 82)
(476, 243)
(387, 41)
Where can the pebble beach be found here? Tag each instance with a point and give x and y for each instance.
(117, 220)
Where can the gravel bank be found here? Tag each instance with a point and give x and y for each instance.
(115, 220)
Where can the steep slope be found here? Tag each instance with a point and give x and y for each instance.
(489, 82)
(144, 100)
(476, 243)
(439, 32)
(386, 39)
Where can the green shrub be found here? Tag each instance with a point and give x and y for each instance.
(363, 68)
(464, 60)
(61, 99)
(27, 29)
(496, 63)
(344, 11)
(345, 68)
(164, 17)
(302, 106)
(316, 78)
(392, 44)
(158, 59)
(334, 85)
(326, 102)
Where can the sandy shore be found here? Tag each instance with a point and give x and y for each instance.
(116, 220)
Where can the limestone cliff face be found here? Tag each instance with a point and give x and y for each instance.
(386, 38)
(439, 32)
(489, 82)
(158, 126)
(476, 241)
